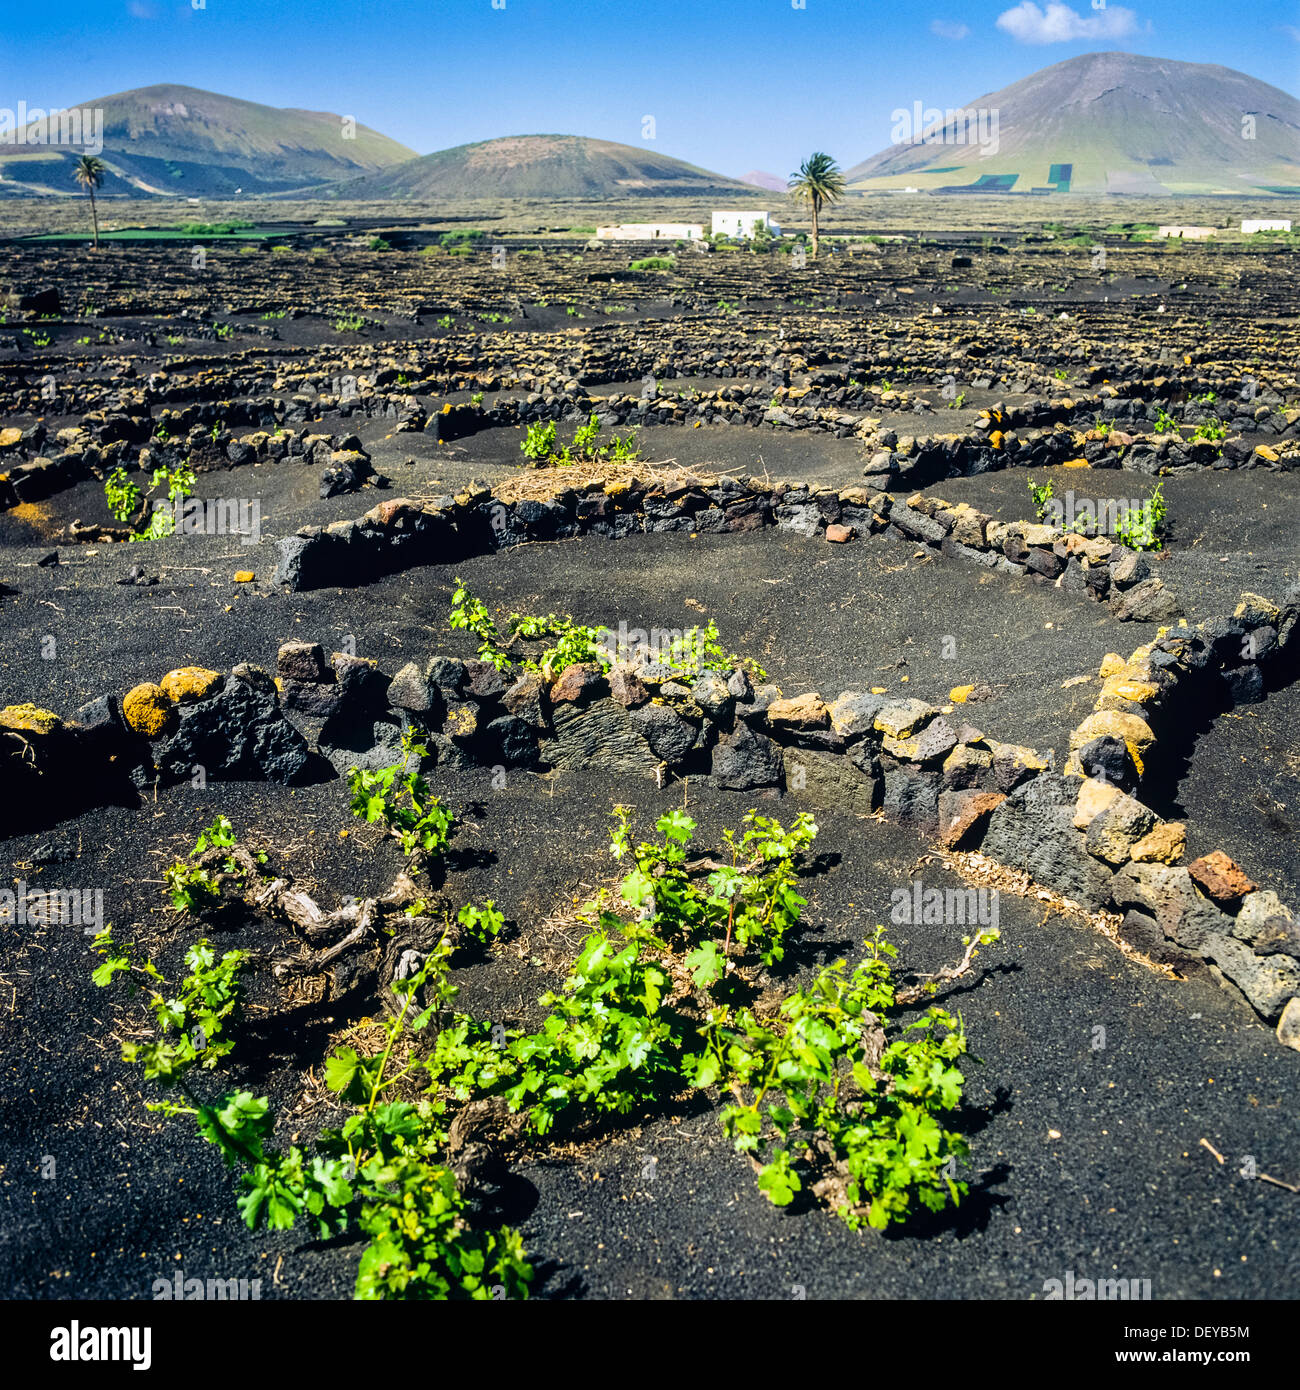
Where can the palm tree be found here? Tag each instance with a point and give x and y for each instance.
(89, 173)
(818, 183)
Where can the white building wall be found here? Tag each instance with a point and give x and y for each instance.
(652, 231)
(739, 222)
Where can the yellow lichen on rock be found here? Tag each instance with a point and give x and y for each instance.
(1135, 733)
(1162, 845)
(1112, 664)
(1257, 603)
(1121, 687)
(188, 683)
(1094, 796)
(147, 709)
(29, 719)
(1019, 755)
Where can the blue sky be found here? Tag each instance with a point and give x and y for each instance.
(731, 86)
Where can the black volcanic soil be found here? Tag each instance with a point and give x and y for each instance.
(1240, 790)
(816, 616)
(1086, 1157)
(1228, 531)
(1083, 1159)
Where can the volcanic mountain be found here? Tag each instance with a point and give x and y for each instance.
(182, 141)
(761, 179)
(543, 166)
(1102, 123)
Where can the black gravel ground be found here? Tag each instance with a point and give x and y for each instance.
(1229, 530)
(1240, 791)
(1097, 1083)
(1085, 1157)
(817, 616)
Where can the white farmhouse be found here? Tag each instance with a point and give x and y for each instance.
(1187, 233)
(740, 223)
(1267, 224)
(652, 231)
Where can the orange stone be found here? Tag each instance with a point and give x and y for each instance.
(1220, 877)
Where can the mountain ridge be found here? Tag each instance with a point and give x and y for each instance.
(1109, 122)
(542, 166)
(181, 140)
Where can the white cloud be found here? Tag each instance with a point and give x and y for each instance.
(1291, 31)
(1058, 23)
(946, 29)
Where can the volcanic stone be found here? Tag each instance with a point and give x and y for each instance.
(600, 735)
(410, 690)
(1143, 933)
(1134, 733)
(485, 681)
(626, 687)
(1033, 830)
(712, 696)
(744, 760)
(579, 682)
(238, 733)
(360, 680)
(1266, 925)
(1220, 877)
(803, 712)
(669, 735)
(303, 661)
(961, 814)
(854, 714)
(1094, 797)
(526, 698)
(965, 766)
(830, 782)
(317, 701)
(147, 710)
(1172, 897)
(1244, 685)
(446, 672)
(912, 795)
(515, 740)
(99, 719)
(253, 676)
(1013, 763)
(1107, 759)
(899, 717)
(1288, 1025)
(1117, 828)
(1163, 844)
(1148, 602)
